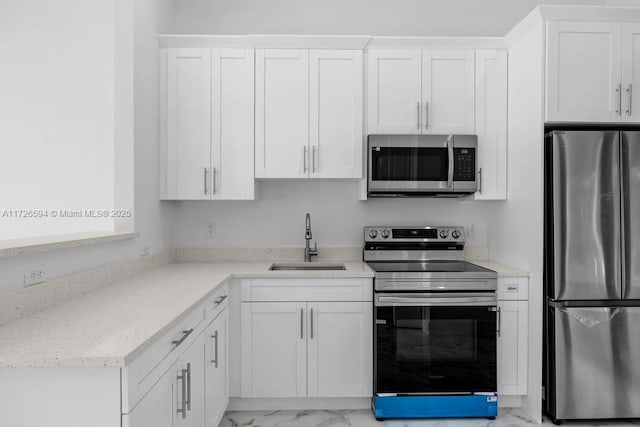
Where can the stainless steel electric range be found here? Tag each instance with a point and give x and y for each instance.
(435, 325)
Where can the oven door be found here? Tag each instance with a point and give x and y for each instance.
(435, 343)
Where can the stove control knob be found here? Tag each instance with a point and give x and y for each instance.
(444, 234)
(385, 234)
(373, 233)
(455, 234)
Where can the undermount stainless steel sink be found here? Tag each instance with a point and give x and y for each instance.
(307, 266)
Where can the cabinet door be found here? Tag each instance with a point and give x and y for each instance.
(512, 347)
(188, 123)
(630, 35)
(157, 409)
(340, 349)
(491, 124)
(583, 72)
(232, 159)
(448, 91)
(394, 80)
(336, 113)
(274, 349)
(282, 113)
(189, 386)
(217, 369)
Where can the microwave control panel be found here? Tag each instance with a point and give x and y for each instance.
(464, 161)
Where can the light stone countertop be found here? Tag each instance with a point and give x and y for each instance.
(501, 269)
(113, 325)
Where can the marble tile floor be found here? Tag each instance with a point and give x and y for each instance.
(364, 418)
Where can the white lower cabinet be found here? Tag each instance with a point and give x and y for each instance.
(216, 370)
(306, 348)
(338, 348)
(193, 390)
(157, 407)
(512, 344)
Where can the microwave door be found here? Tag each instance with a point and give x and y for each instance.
(409, 165)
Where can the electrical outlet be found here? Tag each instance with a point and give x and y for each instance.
(211, 229)
(144, 251)
(472, 229)
(34, 275)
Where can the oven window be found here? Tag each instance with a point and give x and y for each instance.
(409, 164)
(435, 349)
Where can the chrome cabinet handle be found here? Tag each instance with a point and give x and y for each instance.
(215, 349)
(512, 288)
(206, 190)
(304, 159)
(499, 321)
(301, 323)
(480, 180)
(418, 110)
(312, 323)
(619, 100)
(215, 170)
(220, 299)
(183, 400)
(426, 115)
(628, 111)
(184, 336)
(313, 159)
(188, 386)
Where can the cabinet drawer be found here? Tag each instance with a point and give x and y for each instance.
(140, 375)
(513, 288)
(315, 289)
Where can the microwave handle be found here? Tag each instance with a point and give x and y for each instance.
(450, 151)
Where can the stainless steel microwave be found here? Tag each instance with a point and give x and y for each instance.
(421, 165)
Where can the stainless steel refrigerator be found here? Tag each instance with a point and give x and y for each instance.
(592, 274)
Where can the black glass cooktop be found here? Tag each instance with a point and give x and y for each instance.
(426, 266)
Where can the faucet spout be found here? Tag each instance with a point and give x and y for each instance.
(307, 233)
(308, 252)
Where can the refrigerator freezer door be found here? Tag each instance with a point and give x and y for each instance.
(586, 215)
(630, 171)
(596, 353)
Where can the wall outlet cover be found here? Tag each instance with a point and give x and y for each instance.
(211, 229)
(34, 275)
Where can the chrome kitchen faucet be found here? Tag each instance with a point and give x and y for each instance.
(308, 252)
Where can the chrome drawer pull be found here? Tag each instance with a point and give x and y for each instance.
(220, 299)
(184, 336)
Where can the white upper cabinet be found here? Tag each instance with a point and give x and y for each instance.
(491, 124)
(448, 91)
(593, 71)
(232, 118)
(630, 36)
(282, 113)
(308, 113)
(188, 129)
(335, 106)
(420, 91)
(209, 124)
(394, 82)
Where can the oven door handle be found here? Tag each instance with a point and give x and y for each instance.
(428, 301)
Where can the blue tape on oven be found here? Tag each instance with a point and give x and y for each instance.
(481, 405)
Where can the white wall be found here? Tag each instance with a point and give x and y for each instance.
(517, 224)
(337, 217)
(56, 113)
(152, 218)
(366, 17)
